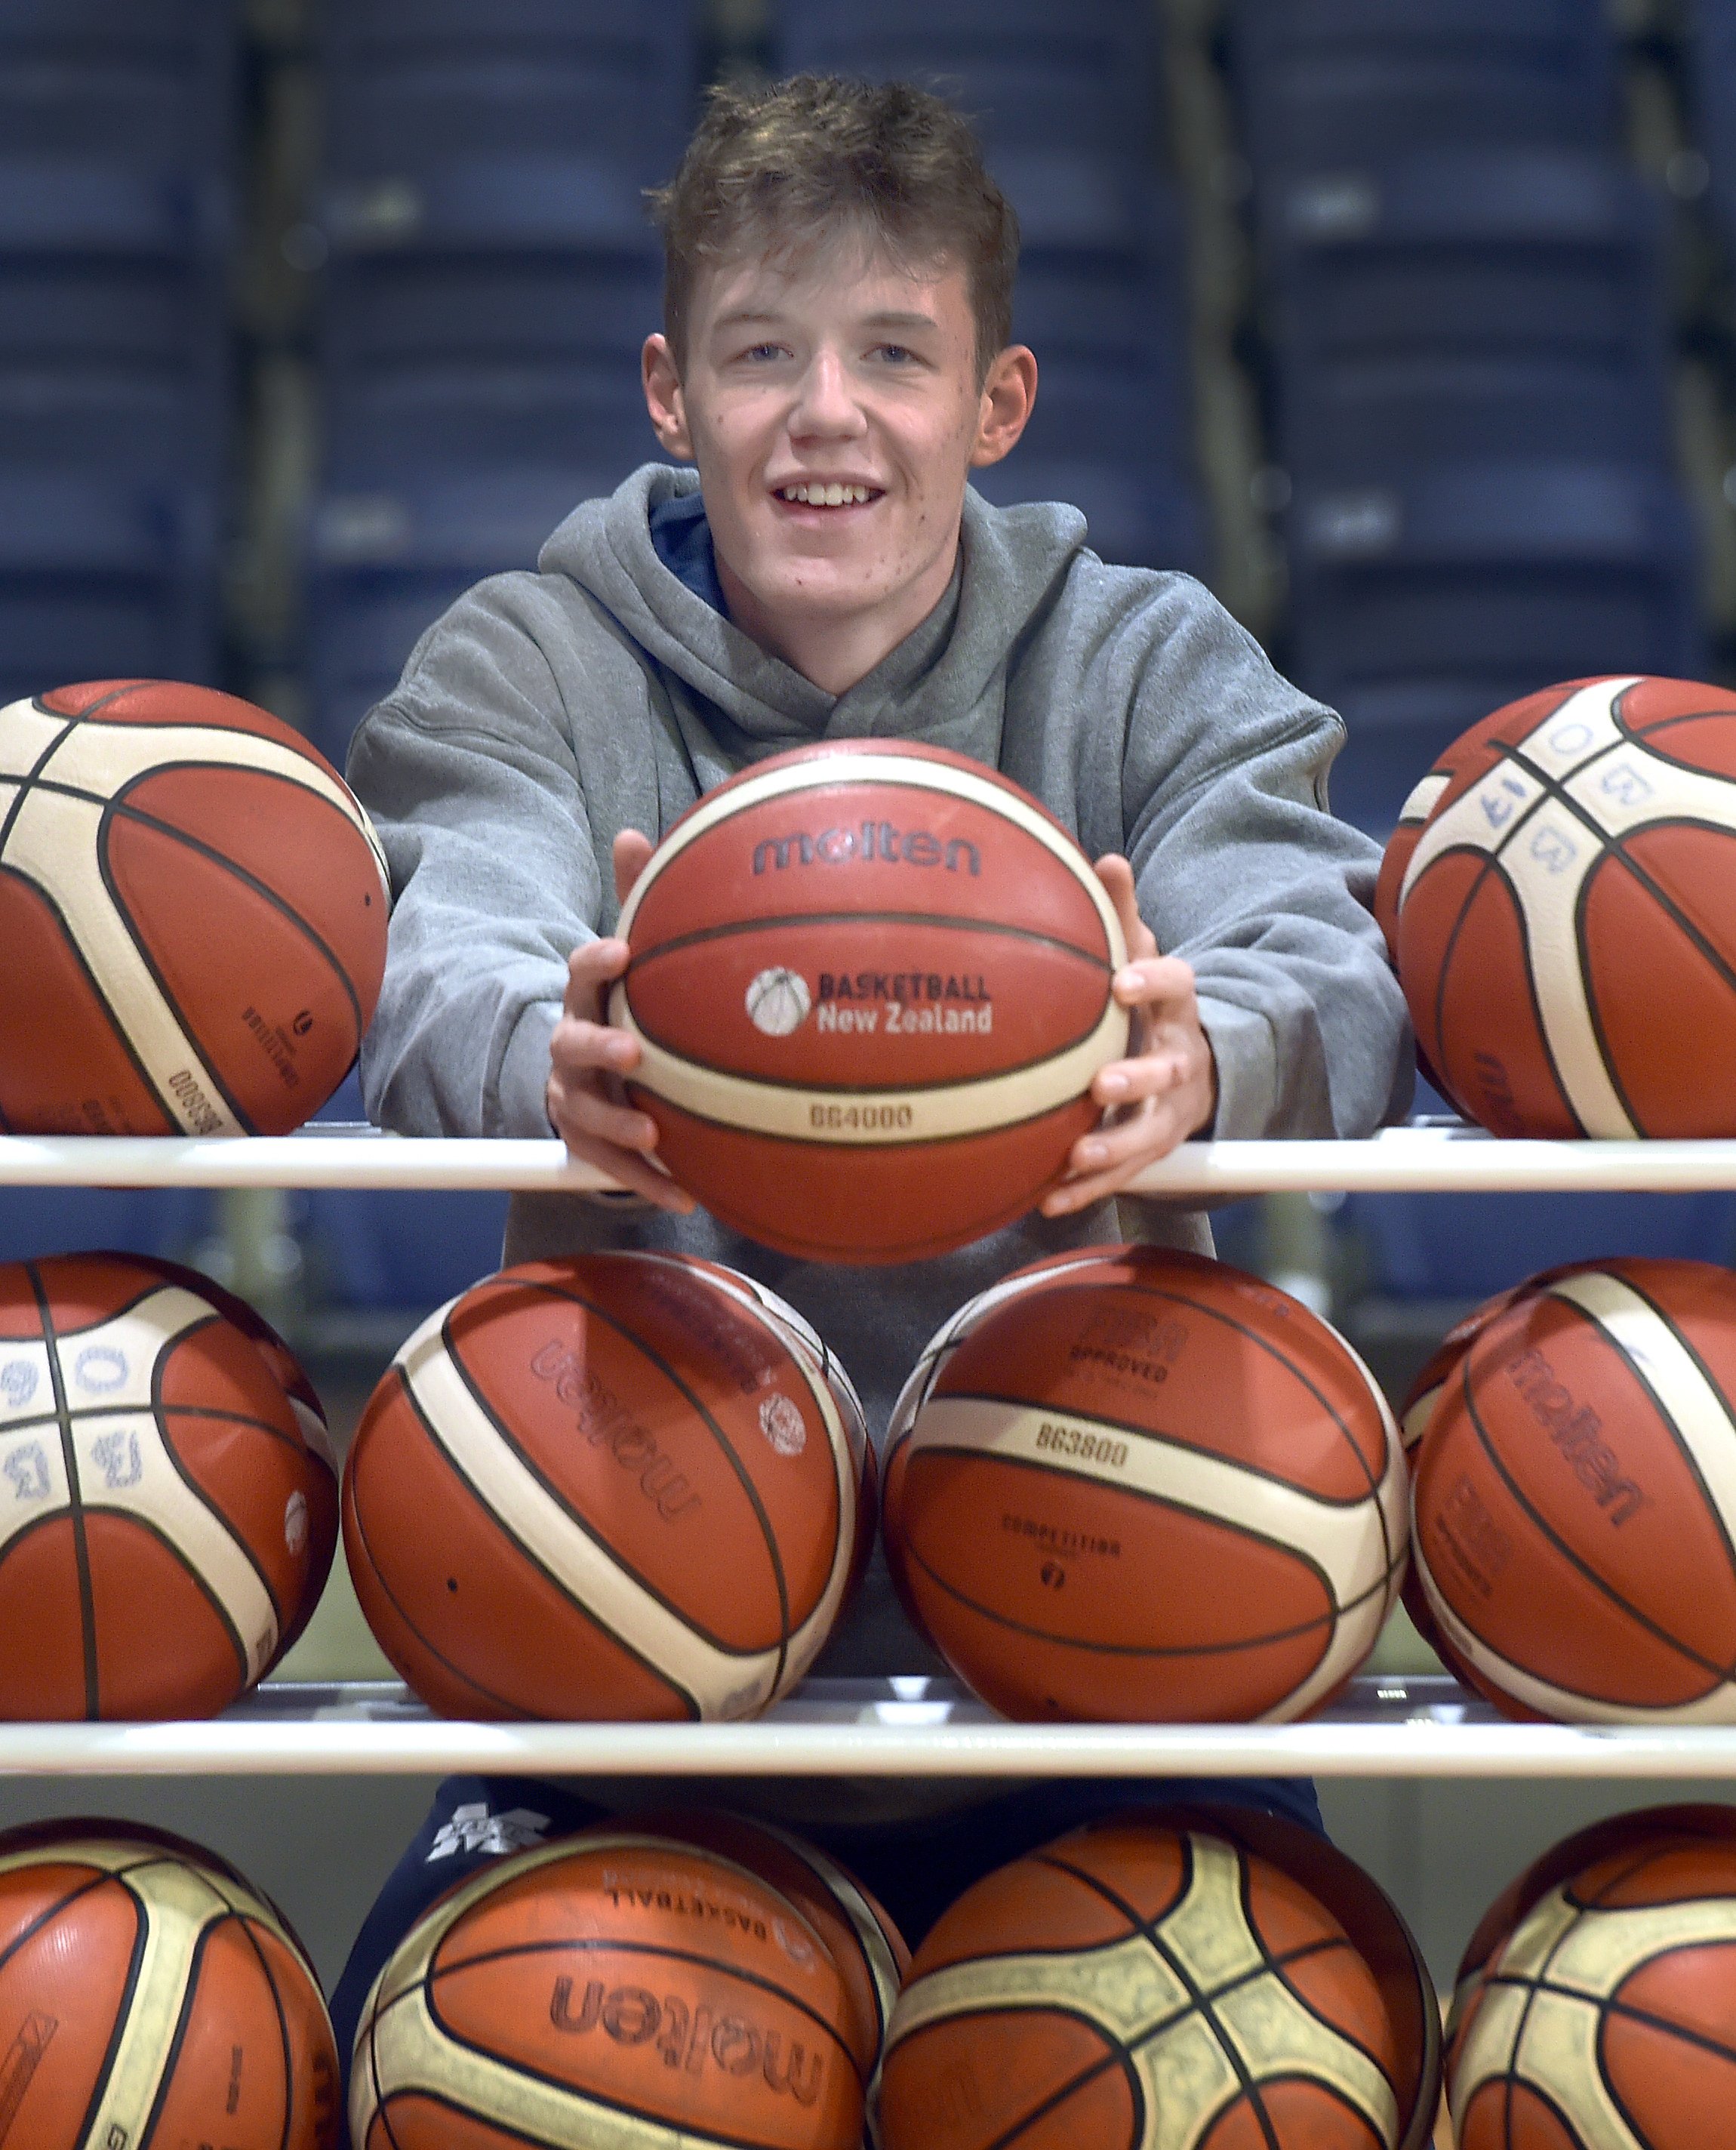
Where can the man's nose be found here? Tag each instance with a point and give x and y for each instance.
(827, 404)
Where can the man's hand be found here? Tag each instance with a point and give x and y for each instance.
(1168, 1090)
(588, 1058)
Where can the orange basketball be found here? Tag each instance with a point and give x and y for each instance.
(1575, 1503)
(1566, 939)
(304, 1401)
(151, 1996)
(872, 985)
(1595, 2000)
(607, 1487)
(194, 908)
(152, 1465)
(1467, 755)
(1150, 1975)
(869, 1950)
(616, 1988)
(1133, 1484)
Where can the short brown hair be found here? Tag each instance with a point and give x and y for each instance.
(791, 164)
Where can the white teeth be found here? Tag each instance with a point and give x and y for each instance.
(825, 496)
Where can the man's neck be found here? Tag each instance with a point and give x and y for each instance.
(835, 653)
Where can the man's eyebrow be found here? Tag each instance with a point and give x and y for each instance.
(900, 321)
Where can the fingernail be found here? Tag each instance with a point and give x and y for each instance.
(1092, 1154)
(1127, 981)
(1112, 1085)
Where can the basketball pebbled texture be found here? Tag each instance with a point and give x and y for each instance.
(609, 1486)
(1129, 1483)
(870, 980)
(1150, 1979)
(1595, 2000)
(151, 1463)
(1565, 938)
(197, 908)
(1575, 1501)
(152, 1996)
(613, 1988)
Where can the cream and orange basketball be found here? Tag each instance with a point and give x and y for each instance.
(1594, 2003)
(614, 1988)
(1164, 1978)
(1134, 1484)
(869, 1950)
(194, 907)
(154, 1997)
(871, 981)
(1575, 1500)
(608, 1485)
(1566, 940)
(161, 1503)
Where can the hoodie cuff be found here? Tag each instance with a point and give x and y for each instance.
(1243, 1047)
(523, 1091)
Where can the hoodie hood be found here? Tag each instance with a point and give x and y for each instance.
(945, 683)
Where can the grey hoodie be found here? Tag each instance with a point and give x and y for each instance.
(547, 712)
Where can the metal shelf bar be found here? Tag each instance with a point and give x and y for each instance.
(1414, 1727)
(1422, 1160)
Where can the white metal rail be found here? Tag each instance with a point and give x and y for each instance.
(1443, 1160)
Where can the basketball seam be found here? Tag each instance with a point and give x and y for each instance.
(1609, 2004)
(70, 945)
(123, 2006)
(183, 2023)
(947, 921)
(158, 1369)
(1546, 1530)
(75, 1506)
(572, 1297)
(290, 2099)
(119, 803)
(28, 1933)
(1147, 1929)
(1601, 1333)
(524, 1552)
(1280, 1964)
(874, 1089)
(1117, 2056)
(580, 1944)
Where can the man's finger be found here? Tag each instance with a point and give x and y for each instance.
(631, 853)
(628, 1170)
(579, 1114)
(1154, 979)
(1151, 1075)
(580, 1048)
(1116, 876)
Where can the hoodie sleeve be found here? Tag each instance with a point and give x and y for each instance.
(468, 771)
(1243, 871)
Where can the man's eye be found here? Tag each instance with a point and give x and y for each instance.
(763, 351)
(896, 352)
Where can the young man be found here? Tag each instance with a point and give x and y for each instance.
(836, 358)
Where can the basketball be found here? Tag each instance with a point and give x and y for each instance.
(159, 1500)
(1595, 2001)
(1466, 754)
(870, 983)
(1150, 1979)
(304, 1401)
(1566, 942)
(1135, 1484)
(613, 1988)
(1576, 1498)
(151, 1996)
(194, 908)
(869, 1950)
(607, 1487)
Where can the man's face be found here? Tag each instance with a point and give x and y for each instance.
(833, 409)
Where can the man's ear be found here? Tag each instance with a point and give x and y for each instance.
(663, 398)
(1008, 397)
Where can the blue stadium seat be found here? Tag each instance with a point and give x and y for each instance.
(1711, 51)
(1516, 573)
(153, 84)
(384, 566)
(1471, 1246)
(610, 78)
(406, 1252)
(1136, 516)
(113, 345)
(1325, 84)
(1472, 252)
(1033, 75)
(103, 579)
(66, 1220)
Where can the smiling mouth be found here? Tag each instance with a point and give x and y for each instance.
(827, 496)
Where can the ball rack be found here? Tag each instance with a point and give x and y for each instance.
(1384, 1725)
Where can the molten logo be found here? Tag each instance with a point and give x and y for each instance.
(688, 2037)
(875, 840)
